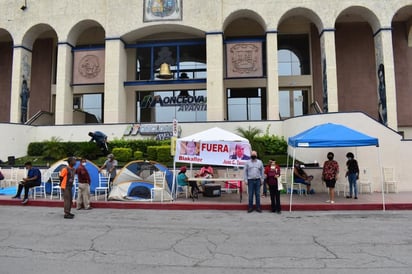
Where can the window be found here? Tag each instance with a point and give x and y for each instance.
(293, 54)
(246, 104)
(183, 57)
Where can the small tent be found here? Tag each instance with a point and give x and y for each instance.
(214, 146)
(59, 165)
(331, 135)
(135, 181)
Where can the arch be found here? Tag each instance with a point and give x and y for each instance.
(5, 36)
(305, 13)
(160, 31)
(404, 14)
(359, 14)
(249, 14)
(36, 31)
(78, 29)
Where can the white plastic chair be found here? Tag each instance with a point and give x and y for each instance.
(364, 181)
(55, 185)
(159, 180)
(13, 177)
(341, 187)
(103, 186)
(41, 189)
(389, 179)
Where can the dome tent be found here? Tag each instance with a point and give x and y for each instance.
(135, 181)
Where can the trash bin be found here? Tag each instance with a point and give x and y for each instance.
(11, 160)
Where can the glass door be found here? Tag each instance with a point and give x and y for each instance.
(293, 102)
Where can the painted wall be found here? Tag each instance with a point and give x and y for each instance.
(356, 68)
(6, 61)
(403, 74)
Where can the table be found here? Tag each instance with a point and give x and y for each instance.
(221, 180)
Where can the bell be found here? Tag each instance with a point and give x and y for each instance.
(164, 72)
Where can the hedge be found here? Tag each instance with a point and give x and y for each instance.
(122, 154)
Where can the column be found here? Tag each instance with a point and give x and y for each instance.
(64, 91)
(329, 75)
(115, 99)
(21, 68)
(272, 89)
(216, 99)
(384, 55)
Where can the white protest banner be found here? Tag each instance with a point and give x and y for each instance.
(223, 153)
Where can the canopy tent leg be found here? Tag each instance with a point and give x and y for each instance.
(174, 186)
(291, 181)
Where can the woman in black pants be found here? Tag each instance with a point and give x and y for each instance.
(272, 172)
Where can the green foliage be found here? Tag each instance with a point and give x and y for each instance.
(54, 149)
(152, 153)
(35, 149)
(138, 155)
(87, 150)
(251, 133)
(272, 144)
(163, 154)
(122, 154)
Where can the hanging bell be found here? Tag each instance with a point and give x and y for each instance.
(164, 72)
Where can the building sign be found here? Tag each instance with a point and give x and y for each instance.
(244, 60)
(88, 67)
(161, 10)
(186, 103)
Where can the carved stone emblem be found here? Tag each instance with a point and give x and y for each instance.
(244, 60)
(89, 66)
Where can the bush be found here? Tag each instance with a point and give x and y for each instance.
(87, 150)
(122, 154)
(163, 154)
(138, 155)
(35, 149)
(54, 149)
(152, 153)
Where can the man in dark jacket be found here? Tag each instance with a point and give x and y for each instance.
(33, 179)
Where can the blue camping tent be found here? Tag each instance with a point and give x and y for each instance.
(332, 135)
(135, 181)
(59, 165)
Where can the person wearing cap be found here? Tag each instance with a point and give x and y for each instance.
(33, 179)
(110, 165)
(352, 174)
(67, 179)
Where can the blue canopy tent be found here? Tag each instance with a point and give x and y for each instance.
(331, 135)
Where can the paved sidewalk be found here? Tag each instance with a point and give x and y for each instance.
(316, 202)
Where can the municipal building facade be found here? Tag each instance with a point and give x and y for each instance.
(152, 61)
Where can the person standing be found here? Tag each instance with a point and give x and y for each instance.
(352, 174)
(254, 179)
(83, 196)
(272, 172)
(330, 175)
(33, 179)
(110, 165)
(67, 179)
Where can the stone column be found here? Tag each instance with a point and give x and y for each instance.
(272, 89)
(329, 75)
(115, 99)
(64, 91)
(216, 99)
(384, 55)
(21, 70)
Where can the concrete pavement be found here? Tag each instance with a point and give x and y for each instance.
(39, 240)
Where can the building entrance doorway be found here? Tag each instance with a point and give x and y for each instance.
(293, 102)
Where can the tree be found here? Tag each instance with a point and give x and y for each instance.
(251, 133)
